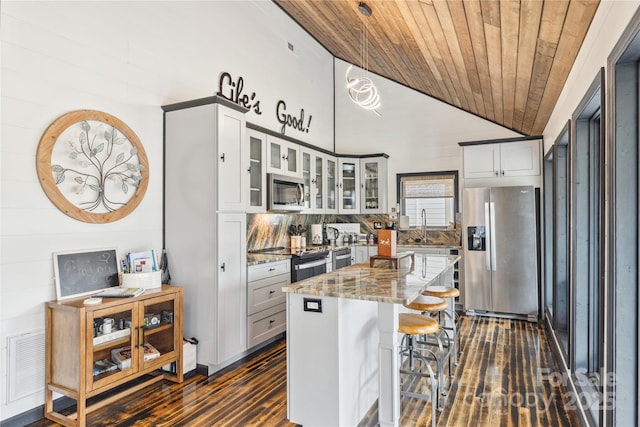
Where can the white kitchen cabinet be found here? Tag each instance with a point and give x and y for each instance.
(505, 159)
(361, 254)
(231, 307)
(266, 303)
(257, 147)
(364, 252)
(206, 246)
(349, 185)
(284, 157)
(331, 185)
(232, 160)
(373, 185)
(313, 172)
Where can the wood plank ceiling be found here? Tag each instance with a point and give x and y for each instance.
(505, 61)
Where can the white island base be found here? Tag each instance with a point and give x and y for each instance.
(332, 360)
(342, 343)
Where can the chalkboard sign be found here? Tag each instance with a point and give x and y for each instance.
(85, 272)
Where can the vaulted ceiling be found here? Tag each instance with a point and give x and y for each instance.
(505, 61)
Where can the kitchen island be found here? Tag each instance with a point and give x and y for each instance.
(342, 339)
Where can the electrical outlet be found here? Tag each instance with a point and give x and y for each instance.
(393, 214)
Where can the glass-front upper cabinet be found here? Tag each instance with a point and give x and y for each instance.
(349, 201)
(257, 185)
(283, 157)
(331, 187)
(373, 185)
(306, 176)
(312, 174)
(318, 183)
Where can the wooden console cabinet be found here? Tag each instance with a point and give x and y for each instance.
(72, 351)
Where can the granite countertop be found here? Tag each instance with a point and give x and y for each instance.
(255, 259)
(381, 284)
(420, 245)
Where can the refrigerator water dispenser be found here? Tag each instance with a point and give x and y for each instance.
(476, 238)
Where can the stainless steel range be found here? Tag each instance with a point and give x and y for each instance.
(305, 262)
(341, 257)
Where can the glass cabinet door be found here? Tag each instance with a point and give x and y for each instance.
(292, 160)
(275, 156)
(331, 190)
(318, 181)
(349, 185)
(370, 186)
(110, 331)
(157, 331)
(256, 175)
(306, 177)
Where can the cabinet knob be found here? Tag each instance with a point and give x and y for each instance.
(497, 173)
(222, 157)
(502, 173)
(249, 169)
(271, 292)
(272, 269)
(223, 267)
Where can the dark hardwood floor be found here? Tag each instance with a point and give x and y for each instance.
(507, 376)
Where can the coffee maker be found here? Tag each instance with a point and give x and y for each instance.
(316, 234)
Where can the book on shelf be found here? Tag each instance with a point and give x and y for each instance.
(122, 356)
(142, 262)
(103, 366)
(119, 292)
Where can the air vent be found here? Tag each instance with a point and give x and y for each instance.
(26, 364)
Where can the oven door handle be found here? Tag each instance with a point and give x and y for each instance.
(310, 264)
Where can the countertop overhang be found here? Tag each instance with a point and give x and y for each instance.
(379, 284)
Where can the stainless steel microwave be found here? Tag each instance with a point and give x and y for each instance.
(285, 193)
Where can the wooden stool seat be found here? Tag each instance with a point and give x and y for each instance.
(442, 292)
(417, 324)
(429, 304)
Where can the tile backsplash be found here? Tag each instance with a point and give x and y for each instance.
(271, 230)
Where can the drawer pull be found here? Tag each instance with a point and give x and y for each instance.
(271, 322)
(271, 292)
(272, 269)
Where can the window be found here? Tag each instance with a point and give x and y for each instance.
(434, 192)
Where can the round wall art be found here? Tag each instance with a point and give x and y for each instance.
(92, 166)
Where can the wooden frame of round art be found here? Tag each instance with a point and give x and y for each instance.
(48, 181)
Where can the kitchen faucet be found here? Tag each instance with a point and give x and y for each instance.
(423, 217)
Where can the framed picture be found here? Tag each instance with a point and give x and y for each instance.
(92, 166)
(79, 273)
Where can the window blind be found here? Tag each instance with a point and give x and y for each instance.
(428, 187)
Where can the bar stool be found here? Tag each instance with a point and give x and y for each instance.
(446, 292)
(414, 325)
(430, 305)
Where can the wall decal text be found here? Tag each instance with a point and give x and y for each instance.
(232, 91)
(287, 120)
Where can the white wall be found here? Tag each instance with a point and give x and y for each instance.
(419, 133)
(609, 22)
(127, 59)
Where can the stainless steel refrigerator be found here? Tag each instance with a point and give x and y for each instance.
(500, 256)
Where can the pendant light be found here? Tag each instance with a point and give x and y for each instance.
(361, 89)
